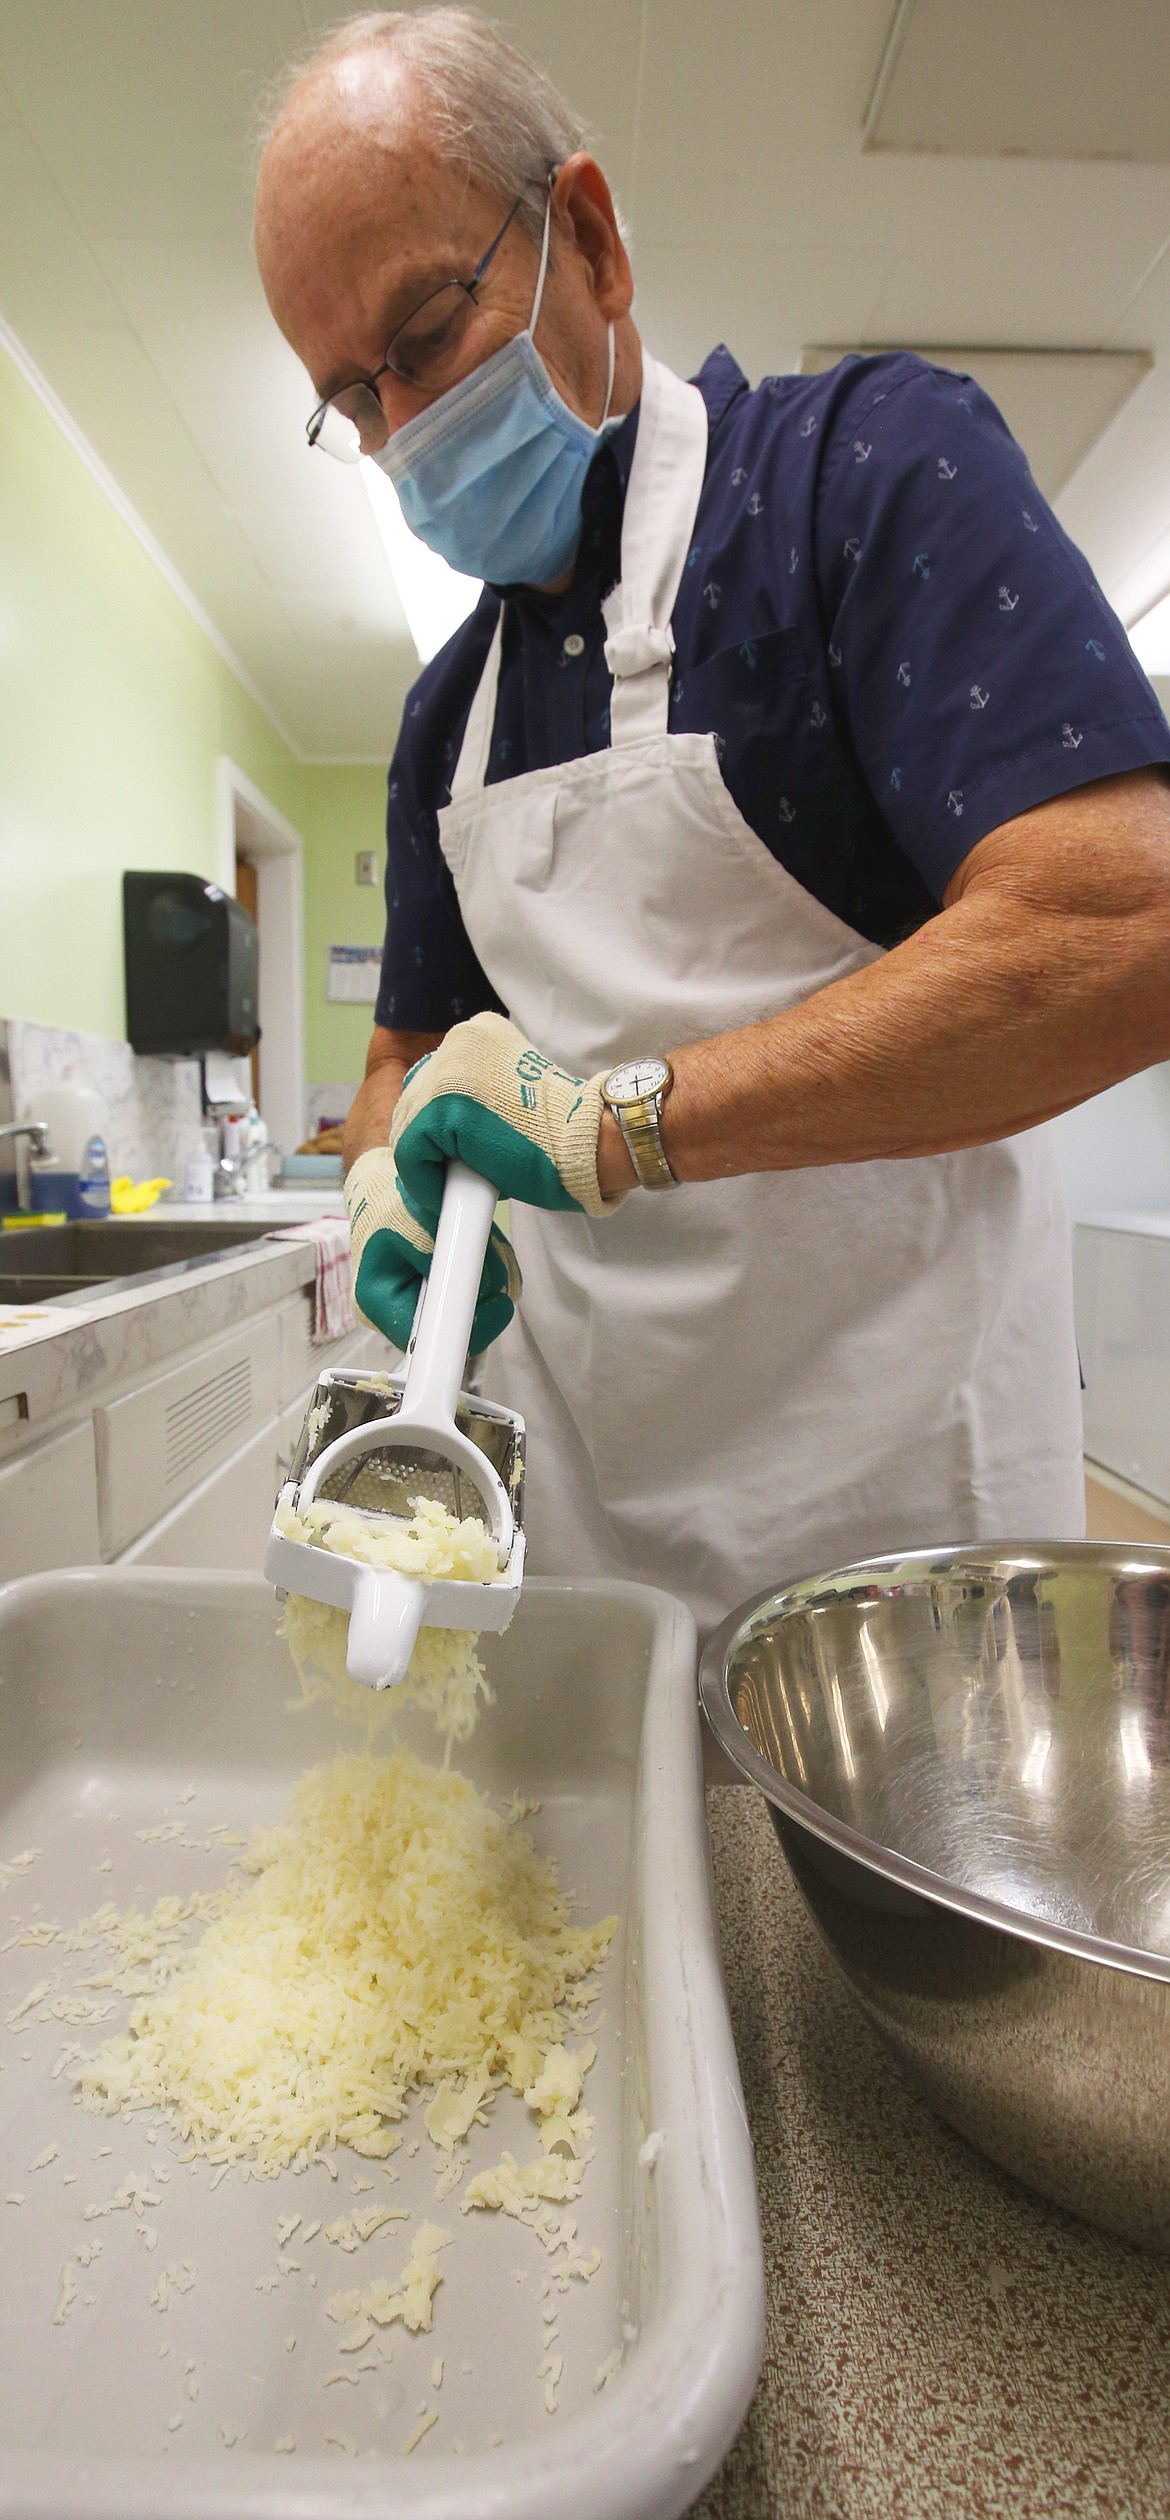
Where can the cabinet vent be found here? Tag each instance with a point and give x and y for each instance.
(197, 1424)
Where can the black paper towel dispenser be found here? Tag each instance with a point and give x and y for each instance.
(192, 967)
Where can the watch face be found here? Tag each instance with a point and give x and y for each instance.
(636, 1079)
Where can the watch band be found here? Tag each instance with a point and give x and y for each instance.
(638, 1122)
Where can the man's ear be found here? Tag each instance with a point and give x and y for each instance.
(584, 210)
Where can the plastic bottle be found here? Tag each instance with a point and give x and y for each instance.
(93, 1179)
(199, 1177)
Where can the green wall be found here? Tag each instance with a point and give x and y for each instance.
(114, 707)
(342, 810)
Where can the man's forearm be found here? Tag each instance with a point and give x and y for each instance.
(372, 1108)
(1042, 983)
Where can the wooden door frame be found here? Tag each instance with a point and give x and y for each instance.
(251, 826)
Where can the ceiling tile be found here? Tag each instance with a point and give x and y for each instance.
(47, 272)
(751, 118)
(1020, 253)
(145, 109)
(1056, 79)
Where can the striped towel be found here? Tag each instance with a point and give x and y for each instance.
(334, 1314)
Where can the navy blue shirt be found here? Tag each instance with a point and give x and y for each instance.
(895, 644)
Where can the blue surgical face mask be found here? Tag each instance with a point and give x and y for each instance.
(491, 475)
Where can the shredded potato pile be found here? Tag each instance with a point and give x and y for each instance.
(445, 1676)
(394, 1934)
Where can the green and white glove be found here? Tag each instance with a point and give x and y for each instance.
(488, 1096)
(392, 1255)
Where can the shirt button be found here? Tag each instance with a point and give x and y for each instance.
(574, 645)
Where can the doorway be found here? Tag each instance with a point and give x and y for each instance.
(260, 856)
(248, 896)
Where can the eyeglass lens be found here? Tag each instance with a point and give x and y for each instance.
(435, 344)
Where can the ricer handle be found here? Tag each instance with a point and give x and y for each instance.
(439, 1341)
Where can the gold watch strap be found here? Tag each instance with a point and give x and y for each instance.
(638, 1122)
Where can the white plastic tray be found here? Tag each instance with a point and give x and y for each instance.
(120, 1689)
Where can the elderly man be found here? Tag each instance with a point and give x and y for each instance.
(784, 835)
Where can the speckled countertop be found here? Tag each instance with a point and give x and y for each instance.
(941, 2344)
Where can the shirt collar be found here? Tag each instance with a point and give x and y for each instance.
(720, 381)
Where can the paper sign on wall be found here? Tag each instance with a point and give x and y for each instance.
(354, 973)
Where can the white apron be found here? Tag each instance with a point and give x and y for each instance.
(735, 1382)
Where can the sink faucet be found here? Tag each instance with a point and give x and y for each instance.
(36, 1131)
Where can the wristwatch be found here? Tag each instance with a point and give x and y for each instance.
(635, 1093)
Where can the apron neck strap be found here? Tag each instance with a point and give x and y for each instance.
(471, 767)
(662, 500)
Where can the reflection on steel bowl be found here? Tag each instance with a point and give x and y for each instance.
(966, 1754)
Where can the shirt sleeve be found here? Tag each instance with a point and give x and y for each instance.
(979, 669)
(430, 974)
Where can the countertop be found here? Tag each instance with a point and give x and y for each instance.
(109, 1340)
(942, 2345)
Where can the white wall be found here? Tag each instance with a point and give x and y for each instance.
(1114, 1152)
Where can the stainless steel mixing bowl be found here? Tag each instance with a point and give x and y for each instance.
(967, 1758)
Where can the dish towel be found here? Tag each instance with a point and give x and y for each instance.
(334, 1314)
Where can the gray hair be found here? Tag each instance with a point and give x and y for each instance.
(490, 107)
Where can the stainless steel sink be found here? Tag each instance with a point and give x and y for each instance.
(41, 1262)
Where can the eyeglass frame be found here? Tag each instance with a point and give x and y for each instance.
(316, 420)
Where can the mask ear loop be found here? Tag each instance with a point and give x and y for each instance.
(609, 381)
(544, 244)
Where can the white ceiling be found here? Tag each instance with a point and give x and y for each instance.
(1088, 79)
(734, 137)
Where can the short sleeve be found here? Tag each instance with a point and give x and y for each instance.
(430, 974)
(978, 667)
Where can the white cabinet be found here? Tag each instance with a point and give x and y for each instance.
(223, 1519)
(157, 1442)
(49, 1505)
(1122, 1284)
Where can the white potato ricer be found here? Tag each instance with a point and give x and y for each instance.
(378, 1442)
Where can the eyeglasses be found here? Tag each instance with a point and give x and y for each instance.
(438, 342)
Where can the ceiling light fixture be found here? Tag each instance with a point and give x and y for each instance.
(435, 598)
(1150, 637)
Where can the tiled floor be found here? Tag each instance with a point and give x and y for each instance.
(941, 2344)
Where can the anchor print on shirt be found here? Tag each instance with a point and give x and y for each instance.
(922, 564)
(711, 593)
(1071, 737)
(853, 547)
(955, 803)
(1094, 648)
(904, 673)
(1006, 600)
(1029, 521)
(793, 560)
(755, 505)
(861, 452)
(808, 426)
(946, 471)
(786, 813)
(979, 697)
(818, 715)
(739, 476)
